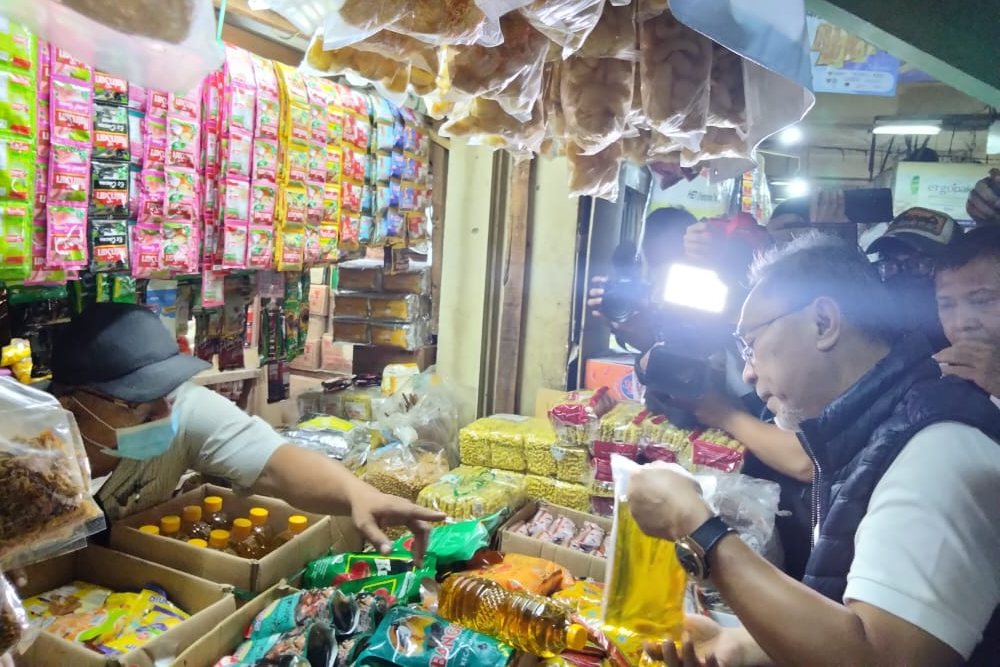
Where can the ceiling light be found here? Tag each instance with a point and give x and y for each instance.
(797, 187)
(927, 127)
(790, 135)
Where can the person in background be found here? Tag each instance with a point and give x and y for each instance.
(662, 244)
(983, 204)
(143, 424)
(968, 300)
(907, 252)
(907, 528)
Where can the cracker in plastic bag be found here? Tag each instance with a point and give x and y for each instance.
(469, 492)
(14, 626)
(614, 36)
(404, 471)
(594, 175)
(727, 105)
(568, 23)
(484, 122)
(675, 67)
(46, 507)
(596, 98)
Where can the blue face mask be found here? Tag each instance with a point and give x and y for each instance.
(141, 442)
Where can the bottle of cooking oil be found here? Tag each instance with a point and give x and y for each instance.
(170, 526)
(259, 517)
(243, 542)
(191, 524)
(150, 529)
(219, 541)
(296, 524)
(213, 514)
(528, 622)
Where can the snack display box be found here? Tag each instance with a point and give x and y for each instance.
(208, 604)
(252, 575)
(581, 565)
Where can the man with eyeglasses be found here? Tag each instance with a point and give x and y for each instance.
(907, 251)
(143, 424)
(907, 487)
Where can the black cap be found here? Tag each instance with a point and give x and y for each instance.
(123, 351)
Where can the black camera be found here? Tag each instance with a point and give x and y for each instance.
(626, 293)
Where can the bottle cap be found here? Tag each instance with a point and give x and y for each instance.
(218, 538)
(213, 503)
(297, 523)
(576, 637)
(170, 524)
(152, 530)
(241, 528)
(258, 516)
(192, 513)
(201, 544)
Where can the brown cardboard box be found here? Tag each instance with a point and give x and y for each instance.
(228, 635)
(245, 574)
(617, 373)
(319, 300)
(208, 604)
(317, 326)
(336, 357)
(310, 358)
(579, 564)
(372, 359)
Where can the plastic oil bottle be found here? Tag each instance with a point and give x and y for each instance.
(530, 623)
(296, 524)
(242, 541)
(191, 524)
(259, 518)
(170, 526)
(199, 543)
(150, 529)
(213, 514)
(218, 540)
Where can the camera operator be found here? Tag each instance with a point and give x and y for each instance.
(662, 244)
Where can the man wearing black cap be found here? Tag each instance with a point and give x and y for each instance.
(908, 250)
(120, 373)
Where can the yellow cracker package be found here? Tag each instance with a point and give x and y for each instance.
(469, 492)
(574, 496)
(634, 611)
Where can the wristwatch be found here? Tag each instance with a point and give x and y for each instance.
(692, 551)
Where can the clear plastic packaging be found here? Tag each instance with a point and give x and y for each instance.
(432, 21)
(577, 417)
(565, 494)
(471, 492)
(484, 122)
(614, 36)
(428, 417)
(414, 281)
(162, 44)
(716, 449)
(44, 472)
(360, 276)
(395, 307)
(366, 64)
(568, 23)
(399, 336)
(404, 470)
(675, 68)
(727, 104)
(351, 331)
(15, 630)
(596, 98)
(594, 175)
(351, 304)
(333, 437)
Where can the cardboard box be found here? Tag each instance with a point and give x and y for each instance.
(245, 574)
(617, 373)
(579, 564)
(317, 327)
(373, 359)
(336, 357)
(309, 360)
(318, 275)
(208, 604)
(228, 635)
(319, 300)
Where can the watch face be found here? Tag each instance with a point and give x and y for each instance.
(689, 560)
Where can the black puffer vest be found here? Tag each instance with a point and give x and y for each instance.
(857, 438)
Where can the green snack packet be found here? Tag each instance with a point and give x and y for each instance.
(341, 611)
(17, 45)
(413, 637)
(313, 644)
(17, 170)
(456, 542)
(339, 568)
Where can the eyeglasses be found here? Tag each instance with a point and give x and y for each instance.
(915, 265)
(745, 347)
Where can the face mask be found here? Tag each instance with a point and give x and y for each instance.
(141, 442)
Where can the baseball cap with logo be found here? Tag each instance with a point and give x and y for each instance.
(918, 229)
(122, 351)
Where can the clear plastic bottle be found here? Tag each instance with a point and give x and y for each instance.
(529, 623)
(213, 514)
(196, 542)
(170, 526)
(243, 542)
(296, 524)
(191, 524)
(219, 541)
(259, 517)
(150, 529)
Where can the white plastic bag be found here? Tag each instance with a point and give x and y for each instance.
(167, 45)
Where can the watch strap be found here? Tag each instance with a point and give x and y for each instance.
(708, 534)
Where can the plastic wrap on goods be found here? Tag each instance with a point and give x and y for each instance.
(404, 471)
(470, 492)
(161, 44)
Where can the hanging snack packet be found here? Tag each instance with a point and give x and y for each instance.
(111, 131)
(182, 195)
(413, 637)
(109, 189)
(596, 97)
(17, 169)
(109, 245)
(265, 160)
(183, 149)
(634, 611)
(260, 251)
(239, 154)
(66, 245)
(71, 108)
(147, 250)
(110, 89)
(567, 23)
(17, 103)
(17, 46)
(234, 246)
(15, 242)
(263, 197)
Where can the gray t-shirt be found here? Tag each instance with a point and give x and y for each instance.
(214, 437)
